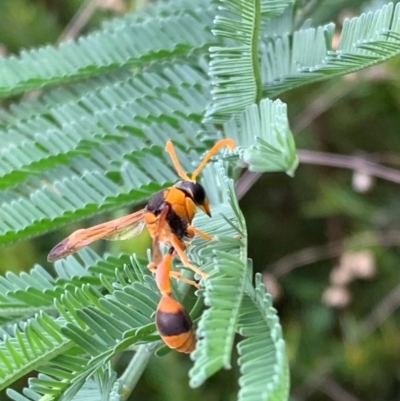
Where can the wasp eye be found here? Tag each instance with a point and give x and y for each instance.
(194, 190)
(199, 194)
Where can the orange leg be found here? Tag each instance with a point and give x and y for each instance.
(193, 230)
(152, 266)
(177, 275)
(179, 249)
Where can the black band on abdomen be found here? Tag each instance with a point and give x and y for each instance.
(173, 324)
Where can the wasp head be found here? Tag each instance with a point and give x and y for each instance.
(197, 193)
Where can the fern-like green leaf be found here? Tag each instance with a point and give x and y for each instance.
(44, 343)
(113, 114)
(235, 306)
(92, 390)
(25, 349)
(106, 50)
(267, 125)
(225, 285)
(278, 26)
(262, 361)
(364, 41)
(27, 294)
(158, 9)
(33, 209)
(234, 69)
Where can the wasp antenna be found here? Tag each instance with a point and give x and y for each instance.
(229, 143)
(171, 151)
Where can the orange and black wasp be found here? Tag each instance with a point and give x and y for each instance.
(168, 216)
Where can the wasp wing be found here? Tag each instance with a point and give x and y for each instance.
(122, 228)
(156, 256)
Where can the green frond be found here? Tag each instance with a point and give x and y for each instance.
(103, 51)
(29, 293)
(114, 114)
(25, 349)
(282, 57)
(27, 210)
(364, 41)
(101, 121)
(264, 137)
(96, 389)
(48, 198)
(158, 9)
(262, 361)
(92, 390)
(105, 381)
(276, 27)
(66, 196)
(224, 288)
(274, 8)
(234, 305)
(101, 325)
(234, 68)
(17, 113)
(99, 388)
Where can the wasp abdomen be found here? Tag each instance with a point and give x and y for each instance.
(174, 325)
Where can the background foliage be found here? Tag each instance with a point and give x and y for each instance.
(326, 241)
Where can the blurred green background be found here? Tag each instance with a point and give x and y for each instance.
(327, 240)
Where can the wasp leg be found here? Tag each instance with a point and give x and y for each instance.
(192, 231)
(152, 266)
(156, 257)
(179, 276)
(179, 249)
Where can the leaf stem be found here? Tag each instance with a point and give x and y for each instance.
(254, 52)
(134, 370)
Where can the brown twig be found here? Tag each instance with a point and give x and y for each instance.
(79, 20)
(355, 163)
(312, 381)
(305, 257)
(245, 182)
(334, 390)
(321, 104)
(305, 12)
(381, 311)
(335, 248)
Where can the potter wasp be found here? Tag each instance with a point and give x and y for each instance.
(168, 216)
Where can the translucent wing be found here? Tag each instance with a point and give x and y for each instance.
(118, 229)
